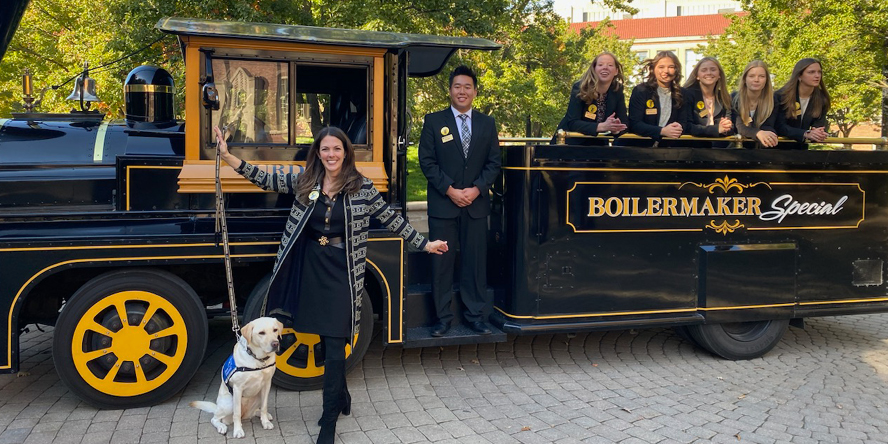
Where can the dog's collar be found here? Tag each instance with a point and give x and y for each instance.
(253, 355)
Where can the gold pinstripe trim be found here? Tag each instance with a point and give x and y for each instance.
(112, 259)
(400, 314)
(164, 89)
(694, 170)
(112, 247)
(845, 301)
(688, 310)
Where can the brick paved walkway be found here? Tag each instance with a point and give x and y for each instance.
(828, 383)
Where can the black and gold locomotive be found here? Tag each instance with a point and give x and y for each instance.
(107, 229)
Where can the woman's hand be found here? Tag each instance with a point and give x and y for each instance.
(767, 138)
(725, 126)
(226, 155)
(612, 124)
(436, 247)
(673, 130)
(817, 134)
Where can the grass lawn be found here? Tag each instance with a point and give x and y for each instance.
(416, 181)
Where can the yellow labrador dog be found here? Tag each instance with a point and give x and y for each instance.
(246, 378)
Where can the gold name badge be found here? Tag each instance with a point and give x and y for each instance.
(704, 113)
(651, 111)
(447, 138)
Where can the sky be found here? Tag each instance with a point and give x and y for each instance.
(561, 7)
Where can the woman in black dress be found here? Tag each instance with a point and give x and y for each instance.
(804, 102)
(657, 107)
(597, 104)
(318, 277)
(754, 108)
(710, 103)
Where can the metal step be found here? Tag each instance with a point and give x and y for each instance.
(458, 335)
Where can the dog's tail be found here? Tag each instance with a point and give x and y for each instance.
(204, 405)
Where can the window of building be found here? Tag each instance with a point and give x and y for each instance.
(585, 16)
(678, 11)
(690, 60)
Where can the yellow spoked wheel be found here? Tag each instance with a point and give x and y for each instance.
(130, 338)
(301, 365)
(129, 343)
(304, 359)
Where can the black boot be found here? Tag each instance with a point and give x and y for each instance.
(346, 398)
(334, 383)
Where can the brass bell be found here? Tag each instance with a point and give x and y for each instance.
(84, 89)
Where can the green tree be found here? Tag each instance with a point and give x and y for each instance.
(524, 85)
(848, 36)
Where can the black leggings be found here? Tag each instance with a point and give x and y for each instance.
(334, 348)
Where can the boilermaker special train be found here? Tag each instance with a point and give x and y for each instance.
(107, 228)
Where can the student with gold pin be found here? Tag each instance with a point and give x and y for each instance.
(754, 108)
(804, 102)
(710, 103)
(597, 104)
(658, 106)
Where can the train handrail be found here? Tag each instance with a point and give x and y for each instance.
(736, 140)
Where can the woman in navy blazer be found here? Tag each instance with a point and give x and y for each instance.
(710, 103)
(657, 106)
(804, 102)
(597, 104)
(754, 107)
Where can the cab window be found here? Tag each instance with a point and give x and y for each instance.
(274, 108)
(254, 100)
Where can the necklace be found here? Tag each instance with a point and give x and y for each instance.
(328, 187)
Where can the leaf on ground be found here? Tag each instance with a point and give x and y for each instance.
(737, 436)
(626, 410)
(475, 361)
(741, 396)
(525, 429)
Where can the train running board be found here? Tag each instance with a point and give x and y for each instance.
(417, 337)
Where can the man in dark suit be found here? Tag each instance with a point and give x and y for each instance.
(459, 154)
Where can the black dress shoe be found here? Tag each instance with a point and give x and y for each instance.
(440, 329)
(479, 327)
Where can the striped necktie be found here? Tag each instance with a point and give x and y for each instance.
(466, 134)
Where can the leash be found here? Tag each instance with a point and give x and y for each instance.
(222, 228)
